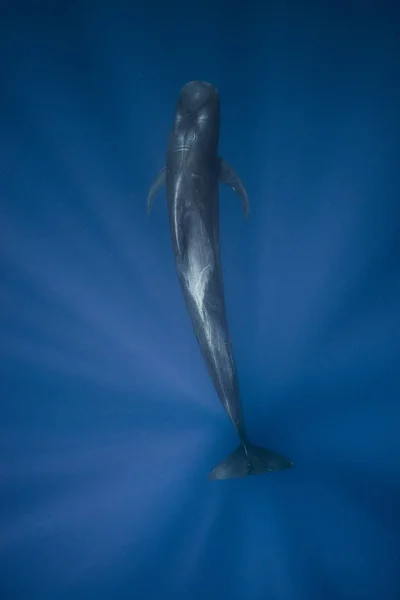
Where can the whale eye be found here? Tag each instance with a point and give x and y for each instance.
(202, 116)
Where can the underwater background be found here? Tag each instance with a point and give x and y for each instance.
(109, 424)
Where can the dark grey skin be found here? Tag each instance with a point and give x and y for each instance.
(192, 174)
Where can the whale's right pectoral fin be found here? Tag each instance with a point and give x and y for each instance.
(228, 176)
(155, 188)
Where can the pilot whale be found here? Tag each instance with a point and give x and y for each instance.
(191, 175)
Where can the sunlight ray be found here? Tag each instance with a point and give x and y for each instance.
(132, 491)
(142, 461)
(264, 555)
(305, 258)
(129, 334)
(193, 551)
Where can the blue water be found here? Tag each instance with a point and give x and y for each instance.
(109, 424)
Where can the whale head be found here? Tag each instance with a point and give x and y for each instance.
(198, 104)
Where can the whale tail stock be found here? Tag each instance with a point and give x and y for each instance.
(249, 459)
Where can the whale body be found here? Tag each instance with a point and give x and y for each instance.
(192, 175)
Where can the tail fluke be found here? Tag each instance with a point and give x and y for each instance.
(249, 460)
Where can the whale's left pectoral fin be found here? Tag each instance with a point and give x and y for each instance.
(155, 188)
(228, 176)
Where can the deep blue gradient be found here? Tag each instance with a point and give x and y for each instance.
(109, 424)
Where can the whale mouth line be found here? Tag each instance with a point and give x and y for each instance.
(183, 148)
